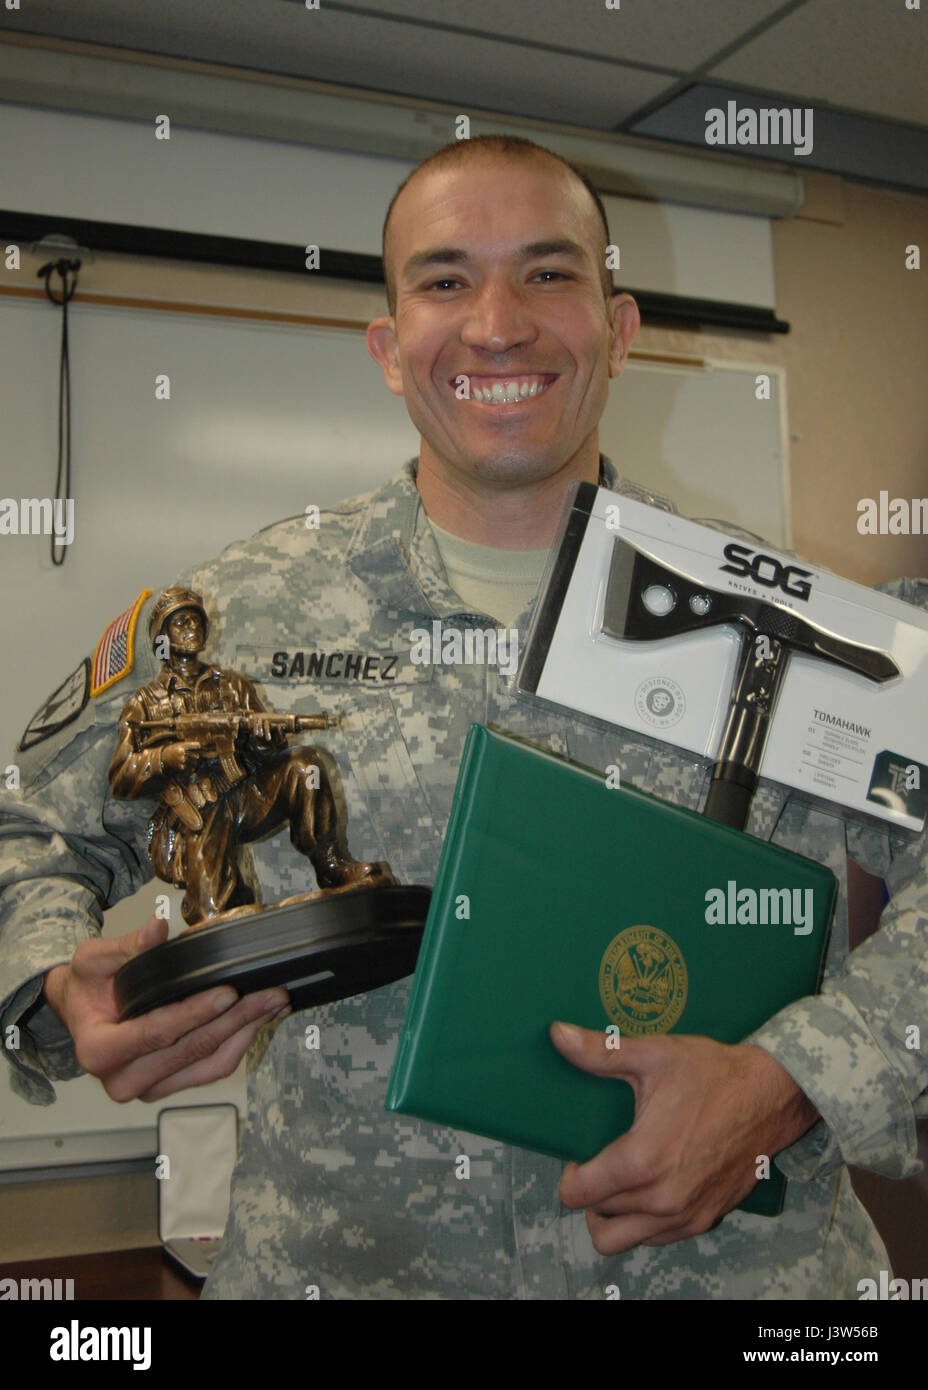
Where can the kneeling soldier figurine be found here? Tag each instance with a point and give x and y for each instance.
(199, 738)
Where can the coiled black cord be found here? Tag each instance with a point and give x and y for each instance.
(64, 269)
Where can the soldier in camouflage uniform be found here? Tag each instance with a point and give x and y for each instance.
(330, 1191)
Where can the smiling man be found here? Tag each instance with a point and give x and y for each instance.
(502, 337)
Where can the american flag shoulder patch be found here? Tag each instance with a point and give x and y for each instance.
(113, 656)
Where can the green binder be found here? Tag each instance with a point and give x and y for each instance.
(560, 897)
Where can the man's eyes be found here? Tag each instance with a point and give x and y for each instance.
(547, 277)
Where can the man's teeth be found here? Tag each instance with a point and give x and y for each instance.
(507, 392)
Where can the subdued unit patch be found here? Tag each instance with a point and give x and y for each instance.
(61, 707)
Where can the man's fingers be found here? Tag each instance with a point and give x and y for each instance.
(592, 1187)
(604, 1054)
(154, 932)
(612, 1235)
(614, 1176)
(222, 1063)
(112, 1046)
(168, 1042)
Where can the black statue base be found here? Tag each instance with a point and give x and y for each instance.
(321, 947)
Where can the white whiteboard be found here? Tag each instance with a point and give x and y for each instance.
(262, 421)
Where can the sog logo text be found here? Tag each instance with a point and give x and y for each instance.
(767, 570)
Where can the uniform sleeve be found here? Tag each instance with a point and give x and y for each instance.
(68, 850)
(859, 1050)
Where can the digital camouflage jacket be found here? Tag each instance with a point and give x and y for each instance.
(331, 1191)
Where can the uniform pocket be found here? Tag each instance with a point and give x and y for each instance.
(382, 784)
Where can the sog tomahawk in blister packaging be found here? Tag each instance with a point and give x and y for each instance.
(739, 653)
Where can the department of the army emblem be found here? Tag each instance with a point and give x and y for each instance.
(643, 981)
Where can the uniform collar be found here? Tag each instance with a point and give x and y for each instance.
(394, 550)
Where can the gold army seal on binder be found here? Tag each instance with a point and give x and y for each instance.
(643, 982)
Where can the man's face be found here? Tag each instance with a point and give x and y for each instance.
(498, 278)
(185, 632)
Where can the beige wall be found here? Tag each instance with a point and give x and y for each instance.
(856, 359)
(857, 364)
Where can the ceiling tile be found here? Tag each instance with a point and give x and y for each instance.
(864, 55)
(343, 47)
(567, 61)
(664, 33)
(479, 72)
(838, 142)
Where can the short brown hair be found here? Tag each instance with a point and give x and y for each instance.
(502, 147)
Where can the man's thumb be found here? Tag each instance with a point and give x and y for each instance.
(603, 1054)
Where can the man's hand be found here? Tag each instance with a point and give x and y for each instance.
(704, 1113)
(191, 1043)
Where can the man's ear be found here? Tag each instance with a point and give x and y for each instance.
(624, 322)
(382, 346)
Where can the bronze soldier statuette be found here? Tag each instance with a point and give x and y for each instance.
(199, 738)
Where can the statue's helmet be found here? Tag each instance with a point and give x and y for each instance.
(172, 601)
